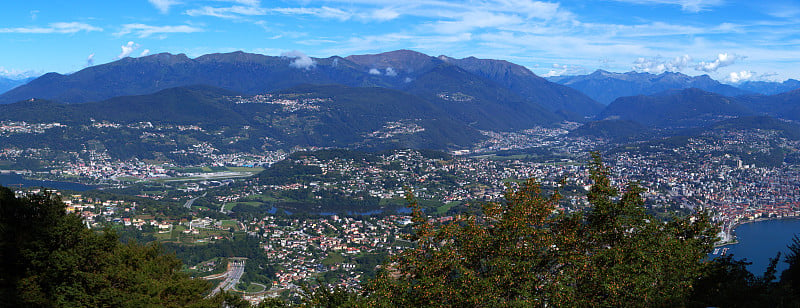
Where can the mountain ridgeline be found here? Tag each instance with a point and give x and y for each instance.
(395, 99)
(251, 74)
(605, 87)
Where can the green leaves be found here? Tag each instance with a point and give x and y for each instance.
(49, 258)
(526, 252)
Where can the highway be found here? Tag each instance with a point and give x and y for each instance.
(189, 203)
(232, 276)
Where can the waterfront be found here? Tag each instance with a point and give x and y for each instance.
(13, 180)
(759, 241)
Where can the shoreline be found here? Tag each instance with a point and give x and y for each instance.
(29, 178)
(732, 233)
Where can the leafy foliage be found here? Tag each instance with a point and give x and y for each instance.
(49, 259)
(526, 252)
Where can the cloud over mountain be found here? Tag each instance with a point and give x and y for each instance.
(301, 60)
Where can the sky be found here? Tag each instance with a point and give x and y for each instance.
(732, 41)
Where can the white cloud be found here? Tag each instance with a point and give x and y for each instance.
(722, 60)
(693, 6)
(322, 12)
(143, 30)
(735, 77)
(127, 49)
(227, 12)
(384, 14)
(17, 74)
(473, 20)
(531, 9)
(90, 60)
(144, 52)
(301, 60)
(163, 5)
(58, 27)
(564, 70)
(34, 14)
(391, 72)
(374, 71)
(658, 65)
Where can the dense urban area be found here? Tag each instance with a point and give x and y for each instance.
(334, 215)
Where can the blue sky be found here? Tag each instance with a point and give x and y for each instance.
(729, 40)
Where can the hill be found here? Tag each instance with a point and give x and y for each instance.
(308, 115)
(521, 81)
(785, 129)
(605, 87)
(676, 109)
(784, 105)
(478, 101)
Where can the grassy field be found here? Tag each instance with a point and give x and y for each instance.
(255, 288)
(230, 224)
(229, 206)
(262, 198)
(127, 179)
(446, 207)
(333, 258)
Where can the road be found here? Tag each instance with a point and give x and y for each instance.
(188, 204)
(235, 272)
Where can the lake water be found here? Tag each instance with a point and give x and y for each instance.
(15, 179)
(760, 241)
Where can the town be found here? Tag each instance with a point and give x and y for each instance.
(730, 173)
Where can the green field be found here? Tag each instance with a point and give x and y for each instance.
(262, 198)
(333, 258)
(446, 207)
(255, 288)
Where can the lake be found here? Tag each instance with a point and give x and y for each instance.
(760, 241)
(15, 179)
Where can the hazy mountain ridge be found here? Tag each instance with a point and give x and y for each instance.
(605, 87)
(770, 87)
(9, 83)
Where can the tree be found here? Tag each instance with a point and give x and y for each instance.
(50, 259)
(526, 252)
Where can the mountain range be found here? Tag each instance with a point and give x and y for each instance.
(769, 88)
(8, 83)
(256, 74)
(605, 87)
(395, 99)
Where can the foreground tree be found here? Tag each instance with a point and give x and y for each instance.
(50, 259)
(527, 252)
